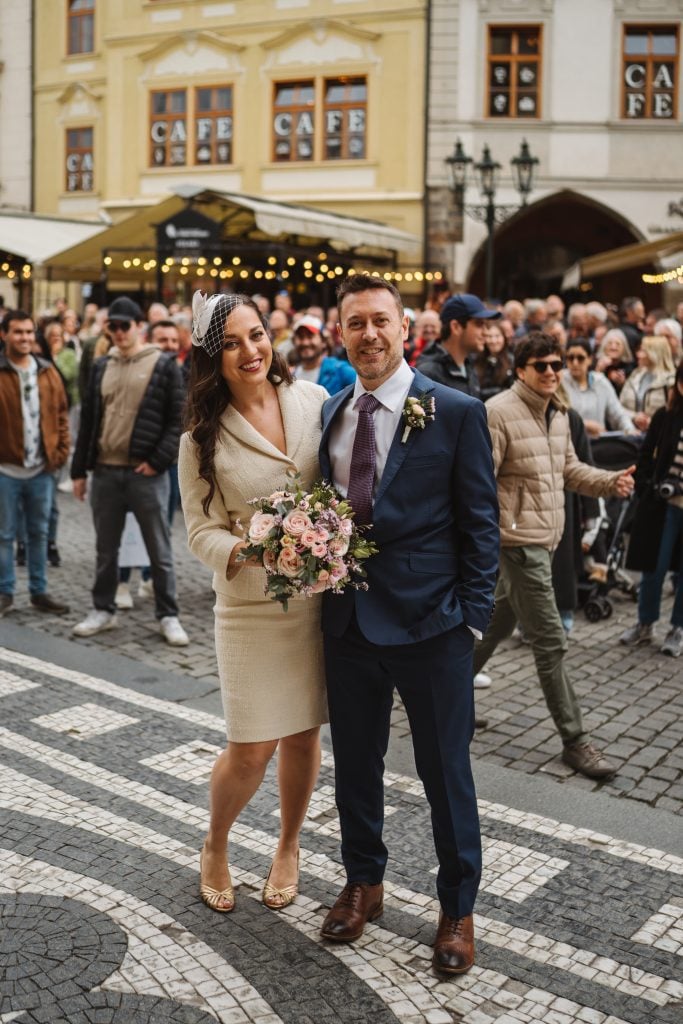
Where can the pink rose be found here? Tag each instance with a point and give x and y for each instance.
(323, 576)
(308, 538)
(338, 546)
(289, 562)
(260, 526)
(296, 522)
(346, 527)
(319, 549)
(337, 571)
(319, 587)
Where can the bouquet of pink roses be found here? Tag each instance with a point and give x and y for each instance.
(307, 543)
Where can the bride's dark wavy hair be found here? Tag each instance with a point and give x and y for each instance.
(209, 395)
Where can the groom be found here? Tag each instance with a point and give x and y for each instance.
(430, 495)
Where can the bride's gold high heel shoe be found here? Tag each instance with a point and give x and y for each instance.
(278, 899)
(214, 898)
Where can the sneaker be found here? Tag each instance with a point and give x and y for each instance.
(21, 553)
(123, 598)
(146, 589)
(638, 634)
(45, 603)
(53, 555)
(482, 681)
(96, 621)
(173, 632)
(588, 760)
(6, 604)
(673, 643)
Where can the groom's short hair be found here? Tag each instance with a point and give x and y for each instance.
(366, 282)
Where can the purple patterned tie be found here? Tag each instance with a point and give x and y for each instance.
(362, 475)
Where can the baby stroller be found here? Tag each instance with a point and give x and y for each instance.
(613, 452)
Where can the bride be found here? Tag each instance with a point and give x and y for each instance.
(249, 424)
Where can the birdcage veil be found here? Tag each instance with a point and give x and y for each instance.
(209, 313)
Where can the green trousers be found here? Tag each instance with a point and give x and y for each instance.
(524, 594)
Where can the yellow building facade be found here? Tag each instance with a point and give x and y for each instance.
(319, 102)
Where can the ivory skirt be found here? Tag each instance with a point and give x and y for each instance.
(270, 664)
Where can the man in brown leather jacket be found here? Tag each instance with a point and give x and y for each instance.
(34, 442)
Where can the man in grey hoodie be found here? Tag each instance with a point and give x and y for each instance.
(128, 437)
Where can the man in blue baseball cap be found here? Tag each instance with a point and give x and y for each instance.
(463, 331)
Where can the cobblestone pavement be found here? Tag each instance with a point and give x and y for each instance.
(103, 809)
(632, 698)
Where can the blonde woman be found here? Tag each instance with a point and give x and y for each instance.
(648, 387)
(671, 330)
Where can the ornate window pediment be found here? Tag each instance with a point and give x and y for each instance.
(321, 42)
(79, 100)
(195, 53)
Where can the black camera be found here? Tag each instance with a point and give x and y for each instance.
(670, 487)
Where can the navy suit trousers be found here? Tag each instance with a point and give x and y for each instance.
(434, 680)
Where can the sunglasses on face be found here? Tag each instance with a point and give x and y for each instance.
(576, 359)
(118, 325)
(541, 367)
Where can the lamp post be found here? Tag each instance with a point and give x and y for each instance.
(487, 169)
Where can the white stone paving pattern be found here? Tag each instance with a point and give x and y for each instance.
(396, 968)
(83, 721)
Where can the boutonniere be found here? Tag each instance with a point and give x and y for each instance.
(417, 412)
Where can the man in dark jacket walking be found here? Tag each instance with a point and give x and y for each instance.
(129, 436)
(463, 332)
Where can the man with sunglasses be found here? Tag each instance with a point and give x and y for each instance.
(128, 437)
(535, 462)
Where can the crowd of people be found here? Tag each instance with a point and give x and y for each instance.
(518, 392)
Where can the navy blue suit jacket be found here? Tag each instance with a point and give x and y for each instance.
(435, 522)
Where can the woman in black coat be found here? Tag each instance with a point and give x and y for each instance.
(656, 545)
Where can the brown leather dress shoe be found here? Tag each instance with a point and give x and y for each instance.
(454, 945)
(357, 904)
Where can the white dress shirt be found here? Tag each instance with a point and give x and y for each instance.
(392, 395)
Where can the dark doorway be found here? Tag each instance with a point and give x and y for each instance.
(535, 247)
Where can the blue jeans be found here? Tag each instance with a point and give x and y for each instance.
(54, 517)
(36, 496)
(650, 593)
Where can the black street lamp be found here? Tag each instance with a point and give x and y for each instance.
(457, 164)
(487, 169)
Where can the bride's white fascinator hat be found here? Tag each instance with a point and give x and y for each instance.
(209, 313)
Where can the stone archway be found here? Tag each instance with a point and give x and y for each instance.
(538, 244)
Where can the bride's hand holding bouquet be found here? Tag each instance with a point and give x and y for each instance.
(306, 542)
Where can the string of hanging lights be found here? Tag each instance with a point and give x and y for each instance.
(271, 268)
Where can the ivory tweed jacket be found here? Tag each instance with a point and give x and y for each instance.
(245, 463)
